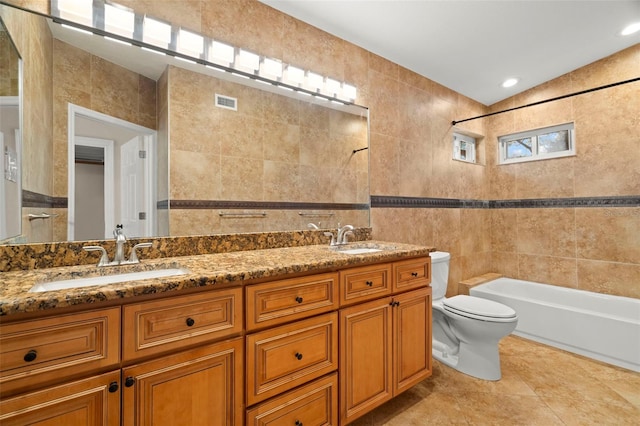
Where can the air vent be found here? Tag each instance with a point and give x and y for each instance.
(226, 102)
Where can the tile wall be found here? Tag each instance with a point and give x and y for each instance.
(589, 248)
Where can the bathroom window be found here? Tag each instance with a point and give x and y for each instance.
(538, 144)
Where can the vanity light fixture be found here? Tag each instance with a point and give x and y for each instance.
(314, 81)
(221, 53)
(247, 61)
(121, 24)
(76, 11)
(510, 82)
(332, 87)
(630, 29)
(190, 44)
(271, 68)
(156, 32)
(118, 21)
(293, 76)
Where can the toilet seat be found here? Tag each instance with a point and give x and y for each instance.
(480, 309)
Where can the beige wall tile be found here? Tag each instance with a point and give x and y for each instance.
(475, 229)
(504, 225)
(474, 265)
(505, 263)
(196, 176)
(608, 277)
(385, 163)
(610, 234)
(548, 232)
(446, 231)
(241, 179)
(545, 179)
(558, 271)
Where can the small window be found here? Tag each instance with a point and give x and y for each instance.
(539, 144)
(464, 148)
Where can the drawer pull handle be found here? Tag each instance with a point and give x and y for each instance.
(299, 299)
(31, 355)
(190, 322)
(369, 283)
(129, 381)
(113, 387)
(298, 355)
(414, 274)
(298, 423)
(394, 303)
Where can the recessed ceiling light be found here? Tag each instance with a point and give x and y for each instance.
(631, 29)
(510, 82)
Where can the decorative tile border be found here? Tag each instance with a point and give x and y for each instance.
(382, 201)
(266, 205)
(34, 199)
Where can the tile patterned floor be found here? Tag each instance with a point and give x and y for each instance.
(540, 385)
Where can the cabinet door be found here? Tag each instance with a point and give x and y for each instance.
(365, 358)
(199, 387)
(412, 338)
(89, 402)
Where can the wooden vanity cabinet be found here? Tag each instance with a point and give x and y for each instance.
(197, 387)
(385, 346)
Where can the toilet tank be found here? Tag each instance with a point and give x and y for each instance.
(439, 273)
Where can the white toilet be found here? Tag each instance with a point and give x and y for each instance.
(467, 329)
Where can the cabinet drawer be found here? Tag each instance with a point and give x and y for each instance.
(312, 404)
(281, 358)
(159, 326)
(48, 350)
(364, 283)
(274, 303)
(412, 273)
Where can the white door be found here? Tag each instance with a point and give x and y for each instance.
(132, 187)
(3, 206)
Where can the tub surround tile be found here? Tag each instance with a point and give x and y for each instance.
(465, 285)
(620, 279)
(546, 232)
(609, 234)
(560, 271)
(220, 269)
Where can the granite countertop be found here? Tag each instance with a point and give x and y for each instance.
(203, 270)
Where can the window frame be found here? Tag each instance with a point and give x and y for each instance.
(535, 154)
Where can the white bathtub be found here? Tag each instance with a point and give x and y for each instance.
(599, 326)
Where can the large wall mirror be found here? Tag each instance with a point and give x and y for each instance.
(114, 133)
(10, 136)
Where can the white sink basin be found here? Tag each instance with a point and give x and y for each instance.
(106, 279)
(359, 250)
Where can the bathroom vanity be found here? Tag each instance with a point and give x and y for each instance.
(297, 335)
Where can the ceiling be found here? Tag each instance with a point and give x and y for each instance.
(472, 46)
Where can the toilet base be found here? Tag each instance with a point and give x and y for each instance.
(479, 361)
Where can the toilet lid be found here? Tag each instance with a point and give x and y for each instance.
(477, 307)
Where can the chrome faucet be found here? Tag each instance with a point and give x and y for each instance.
(120, 240)
(341, 237)
(119, 258)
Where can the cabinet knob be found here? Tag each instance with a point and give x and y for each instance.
(190, 322)
(298, 355)
(113, 387)
(369, 283)
(298, 423)
(299, 299)
(31, 355)
(394, 303)
(129, 381)
(414, 274)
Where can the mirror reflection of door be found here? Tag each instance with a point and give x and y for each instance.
(113, 178)
(10, 185)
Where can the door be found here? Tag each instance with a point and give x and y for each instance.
(365, 358)
(198, 387)
(3, 206)
(132, 187)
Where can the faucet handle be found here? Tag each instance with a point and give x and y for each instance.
(104, 259)
(133, 257)
(333, 238)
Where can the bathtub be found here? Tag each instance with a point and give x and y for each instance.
(599, 326)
